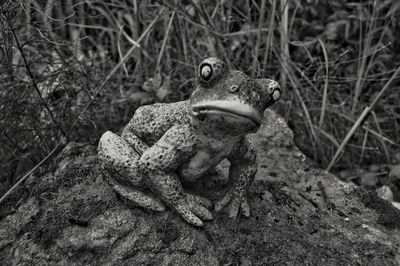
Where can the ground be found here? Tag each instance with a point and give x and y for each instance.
(300, 215)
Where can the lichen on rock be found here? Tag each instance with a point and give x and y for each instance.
(300, 215)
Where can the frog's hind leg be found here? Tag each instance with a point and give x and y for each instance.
(120, 160)
(137, 197)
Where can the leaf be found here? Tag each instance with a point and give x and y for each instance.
(395, 172)
(158, 86)
(369, 179)
(152, 84)
(165, 89)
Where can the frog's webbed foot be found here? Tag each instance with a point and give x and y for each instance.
(235, 201)
(138, 198)
(193, 209)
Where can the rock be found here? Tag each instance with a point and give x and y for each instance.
(301, 215)
(396, 204)
(385, 193)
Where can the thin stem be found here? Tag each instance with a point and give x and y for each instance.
(33, 80)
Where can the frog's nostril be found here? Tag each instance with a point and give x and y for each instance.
(233, 88)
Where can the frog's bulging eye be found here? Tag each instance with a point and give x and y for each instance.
(210, 71)
(206, 72)
(276, 94)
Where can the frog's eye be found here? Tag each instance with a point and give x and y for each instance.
(206, 72)
(210, 71)
(276, 94)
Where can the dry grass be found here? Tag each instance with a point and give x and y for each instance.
(75, 68)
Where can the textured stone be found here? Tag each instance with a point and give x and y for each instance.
(301, 215)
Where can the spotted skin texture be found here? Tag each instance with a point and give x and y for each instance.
(139, 146)
(241, 173)
(166, 143)
(150, 122)
(119, 158)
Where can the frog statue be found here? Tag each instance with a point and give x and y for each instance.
(165, 144)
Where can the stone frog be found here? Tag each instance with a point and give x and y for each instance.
(166, 143)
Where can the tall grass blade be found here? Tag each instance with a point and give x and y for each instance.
(284, 42)
(361, 119)
(158, 66)
(325, 94)
(258, 41)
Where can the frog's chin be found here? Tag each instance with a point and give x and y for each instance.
(235, 111)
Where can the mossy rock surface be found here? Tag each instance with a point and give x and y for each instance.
(301, 215)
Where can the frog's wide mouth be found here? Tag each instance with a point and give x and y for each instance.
(227, 108)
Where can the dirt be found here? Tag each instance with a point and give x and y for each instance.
(300, 215)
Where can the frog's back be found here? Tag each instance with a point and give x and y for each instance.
(150, 122)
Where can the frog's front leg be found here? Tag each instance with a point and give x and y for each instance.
(120, 160)
(159, 163)
(136, 143)
(241, 175)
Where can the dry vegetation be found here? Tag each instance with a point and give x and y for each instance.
(71, 69)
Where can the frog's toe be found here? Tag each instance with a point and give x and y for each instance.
(201, 211)
(234, 207)
(139, 198)
(239, 203)
(222, 203)
(235, 202)
(185, 212)
(244, 205)
(200, 200)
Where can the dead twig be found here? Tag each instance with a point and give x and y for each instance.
(31, 171)
(361, 118)
(158, 65)
(33, 80)
(112, 72)
(325, 95)
(63, 141)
